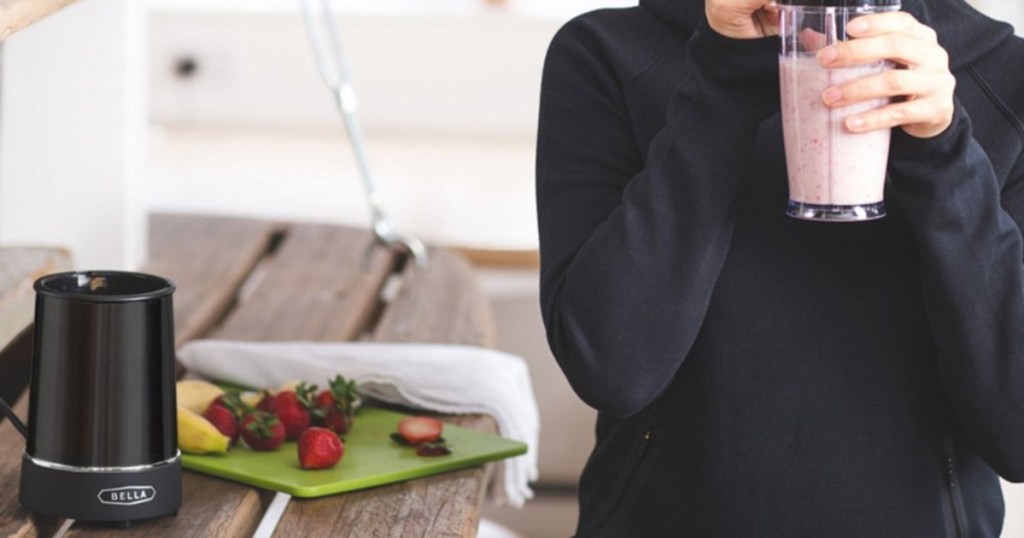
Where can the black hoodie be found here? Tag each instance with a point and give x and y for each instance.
(759, 376)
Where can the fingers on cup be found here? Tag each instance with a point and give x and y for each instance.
(890, 46)
(895, 22)
(890, 83)
(930, 114)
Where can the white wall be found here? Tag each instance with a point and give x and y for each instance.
(431, 72)
(72, 133)
(1011, 11)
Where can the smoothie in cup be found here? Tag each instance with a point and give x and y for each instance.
(834, 174)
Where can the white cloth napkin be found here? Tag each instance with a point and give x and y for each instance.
(442, 378)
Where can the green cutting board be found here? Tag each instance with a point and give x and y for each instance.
(371, 459)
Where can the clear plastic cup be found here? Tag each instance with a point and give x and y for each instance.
(834, 174)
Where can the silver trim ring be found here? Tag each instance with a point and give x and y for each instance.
(129, 469)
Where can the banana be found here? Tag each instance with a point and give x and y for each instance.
(288, 385)
(251, 398)
(196, 395)
(197, 435)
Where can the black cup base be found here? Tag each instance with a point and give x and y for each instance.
(115, 496)
(836, 213)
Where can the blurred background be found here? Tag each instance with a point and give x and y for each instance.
(215, 106)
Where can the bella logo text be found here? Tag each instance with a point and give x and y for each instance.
(127, 495)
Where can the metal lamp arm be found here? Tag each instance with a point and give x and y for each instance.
(336, 76)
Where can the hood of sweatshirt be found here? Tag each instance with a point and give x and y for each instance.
(963, 31)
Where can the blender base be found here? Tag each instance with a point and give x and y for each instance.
(106, 495)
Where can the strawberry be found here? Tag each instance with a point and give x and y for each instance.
(232, 401)
(338, 422)
(320, 448)
(419, 430)
(266, 401)
(292, 408)
(262, 431)
(336, 407)
(223, 419)
(325, 399)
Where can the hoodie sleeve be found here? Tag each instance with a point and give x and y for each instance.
(632, 242)
(968, 234)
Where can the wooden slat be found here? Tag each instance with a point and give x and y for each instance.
(409, 511)
(233, 515)
(318, 286)
(208, 258)
(16, 15)
(19, 268)
(15, 520)
(501, 259)
(440, 304)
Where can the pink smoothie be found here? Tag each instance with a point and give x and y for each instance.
(829, 165)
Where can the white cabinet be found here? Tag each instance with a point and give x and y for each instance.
(72, 133)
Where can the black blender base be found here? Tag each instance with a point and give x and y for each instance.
(113, 497)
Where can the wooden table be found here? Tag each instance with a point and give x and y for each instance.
(255, 280)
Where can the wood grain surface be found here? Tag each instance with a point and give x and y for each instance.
(442, 304)
(18, 14)
(317, 286)
(208, 258)
(19, 268)
(501, 259)
(15, 520)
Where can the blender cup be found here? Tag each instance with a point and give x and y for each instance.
(102, 426)
(834, 175)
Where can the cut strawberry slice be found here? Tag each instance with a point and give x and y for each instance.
(433, 450)
(419, 430)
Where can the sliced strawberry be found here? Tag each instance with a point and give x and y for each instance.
(319, 448)
(419, 430)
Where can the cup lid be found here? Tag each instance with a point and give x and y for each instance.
(841, 3)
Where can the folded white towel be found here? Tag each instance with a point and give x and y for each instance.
(442, 378)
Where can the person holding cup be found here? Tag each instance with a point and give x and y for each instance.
(758, 375)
